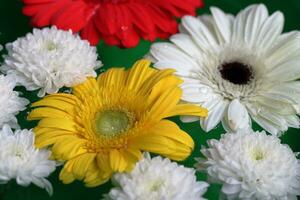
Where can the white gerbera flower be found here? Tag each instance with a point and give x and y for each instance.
(252, 166)
(10, 102)
(236, 67)
(157, 179)
(21, 161)
(49, 59)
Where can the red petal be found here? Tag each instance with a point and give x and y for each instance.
(72, 16)
(105, 19)
(129, 38)
(43, 17)
(142, 21)
(90, 33)
(111, 40)
(37, 1)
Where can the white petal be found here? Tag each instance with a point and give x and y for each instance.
(270, 31)
(238, 33)
(169, 54)
(200, 33)
(231, 189)
(196, 93)
(189, 119)
(275, 105)
(292, 121)
(186, 44)
(263, 120)
(216, 110)
(253, 23)
(223, 23)
(287, 71)
(238, 117)
(182, 69)
(286, 49)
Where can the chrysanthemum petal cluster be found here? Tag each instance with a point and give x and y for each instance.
(49, 59)
(252, 166)
(157, 179)
(105, 124)
(117, 22)
(237, 67)
(10, 102)
(20, 160)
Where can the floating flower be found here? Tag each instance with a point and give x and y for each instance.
(49, 59)
(236, 67)
(21, 161)
(157, 179)
(117, 22)
(252, 166)
(102, 127)
(10, 102)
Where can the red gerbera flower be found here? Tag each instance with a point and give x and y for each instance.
(117, 22)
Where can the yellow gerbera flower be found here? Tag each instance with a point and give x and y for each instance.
(105, 124)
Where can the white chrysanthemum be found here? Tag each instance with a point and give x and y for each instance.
(252, 166)
(21, 161)
(10, 102)
(236, 67)
(157, 179)
(49, 59)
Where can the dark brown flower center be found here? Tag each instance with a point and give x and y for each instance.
(236, 73)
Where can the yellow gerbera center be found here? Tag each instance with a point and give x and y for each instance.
(112, 122)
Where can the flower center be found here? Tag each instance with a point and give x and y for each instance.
(236, 73)
(51, 46)
(156, 185)
(112, 122)
(258, 155)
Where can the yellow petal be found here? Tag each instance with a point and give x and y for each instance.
(170, 130)
(165, 102)
(113, 77)
(66, 177)
(43, 112)
(159, 75)
(138, 74)
(64, 124)
(81, 164)
(84, 90)
(117, 161)
(164, 84)
(103, 162)
(66, 148)
(50, 137)
(132, 156)
(95, 176)
(188, 109)
(41, 142)
(68, 98)
(54, 103)
(162, 145)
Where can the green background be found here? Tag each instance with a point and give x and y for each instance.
(13, 25)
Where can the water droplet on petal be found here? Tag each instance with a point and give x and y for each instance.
(124, 28)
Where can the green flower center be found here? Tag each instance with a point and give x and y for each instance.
(258, 155)
(112, 122)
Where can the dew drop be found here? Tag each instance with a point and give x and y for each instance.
(124, 28)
